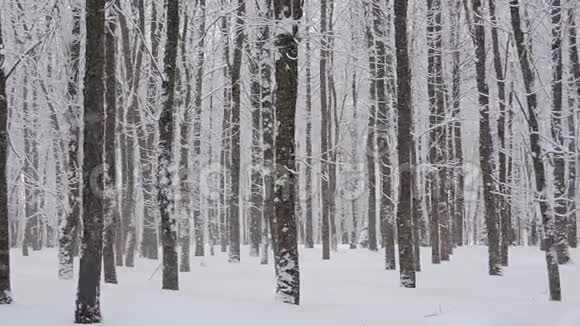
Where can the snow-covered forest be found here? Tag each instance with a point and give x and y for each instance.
(311, 162)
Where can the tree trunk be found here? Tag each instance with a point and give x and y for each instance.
(384, 101)
(572, 178)
(198, 220)
(504, 189)
(486, 142)
(524, 55)
(5, 292)
(186, 192)
(437, 143)
(262, 34)
(149, 241)
(405, 143)
(111, 216)
(309, 225)
(371, 145)
(226, 141)
(165, 174)
(234, 225)
(286, 93)
(325, 137)
(69, 224)
(88, 309)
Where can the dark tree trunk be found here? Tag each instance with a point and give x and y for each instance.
(226, 141)
(524, 55)
(110, 205)
(455, 114)
(256, 188)
(147, 133)
(437, 143)
(572, 178)
(198, 220)
(325, 136)
(234, 225)
(88, 310)
(165, 175)
(405, 143)
(286, 248)
(5, 292)
(504, 190)
(486, 142)
(268, 122)
(309, 225)
(559, 159)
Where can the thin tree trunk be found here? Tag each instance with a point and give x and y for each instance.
(325, 137)
(234, 225)
(502, 198)
(110, 205)
(226, 132)
(5, 292)
(459, 217)
(198, 220)
(371, 153)
(559, 160)
(486, 142)
(572, 178)
(186, 191)
(436, 118)
(309, 227)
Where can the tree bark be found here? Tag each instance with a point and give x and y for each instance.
(504, 190)
(572, 178)
(524, 56)
(325, 137)
(88, 310)
(165, 174)
(69, 223)
(110, 209)
(286, 93)
(198, 220)
(405, 143)
(5, 288)
(234, 225)
(486, 142)
(559, 159)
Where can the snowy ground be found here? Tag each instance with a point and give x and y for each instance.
(352, 289)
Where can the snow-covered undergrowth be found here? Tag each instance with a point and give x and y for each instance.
(352, 289)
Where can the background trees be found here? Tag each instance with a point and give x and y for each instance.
(280, 108)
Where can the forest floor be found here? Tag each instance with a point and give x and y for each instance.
(352, 289)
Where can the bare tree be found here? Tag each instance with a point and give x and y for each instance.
(405, 140)
(286, 93)
(5, 293)
(486, 142)
(559, 157)
(234, 225)
(165, 174)
(524, 55)
(71, 221)
(110, 205)
(88, 310)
